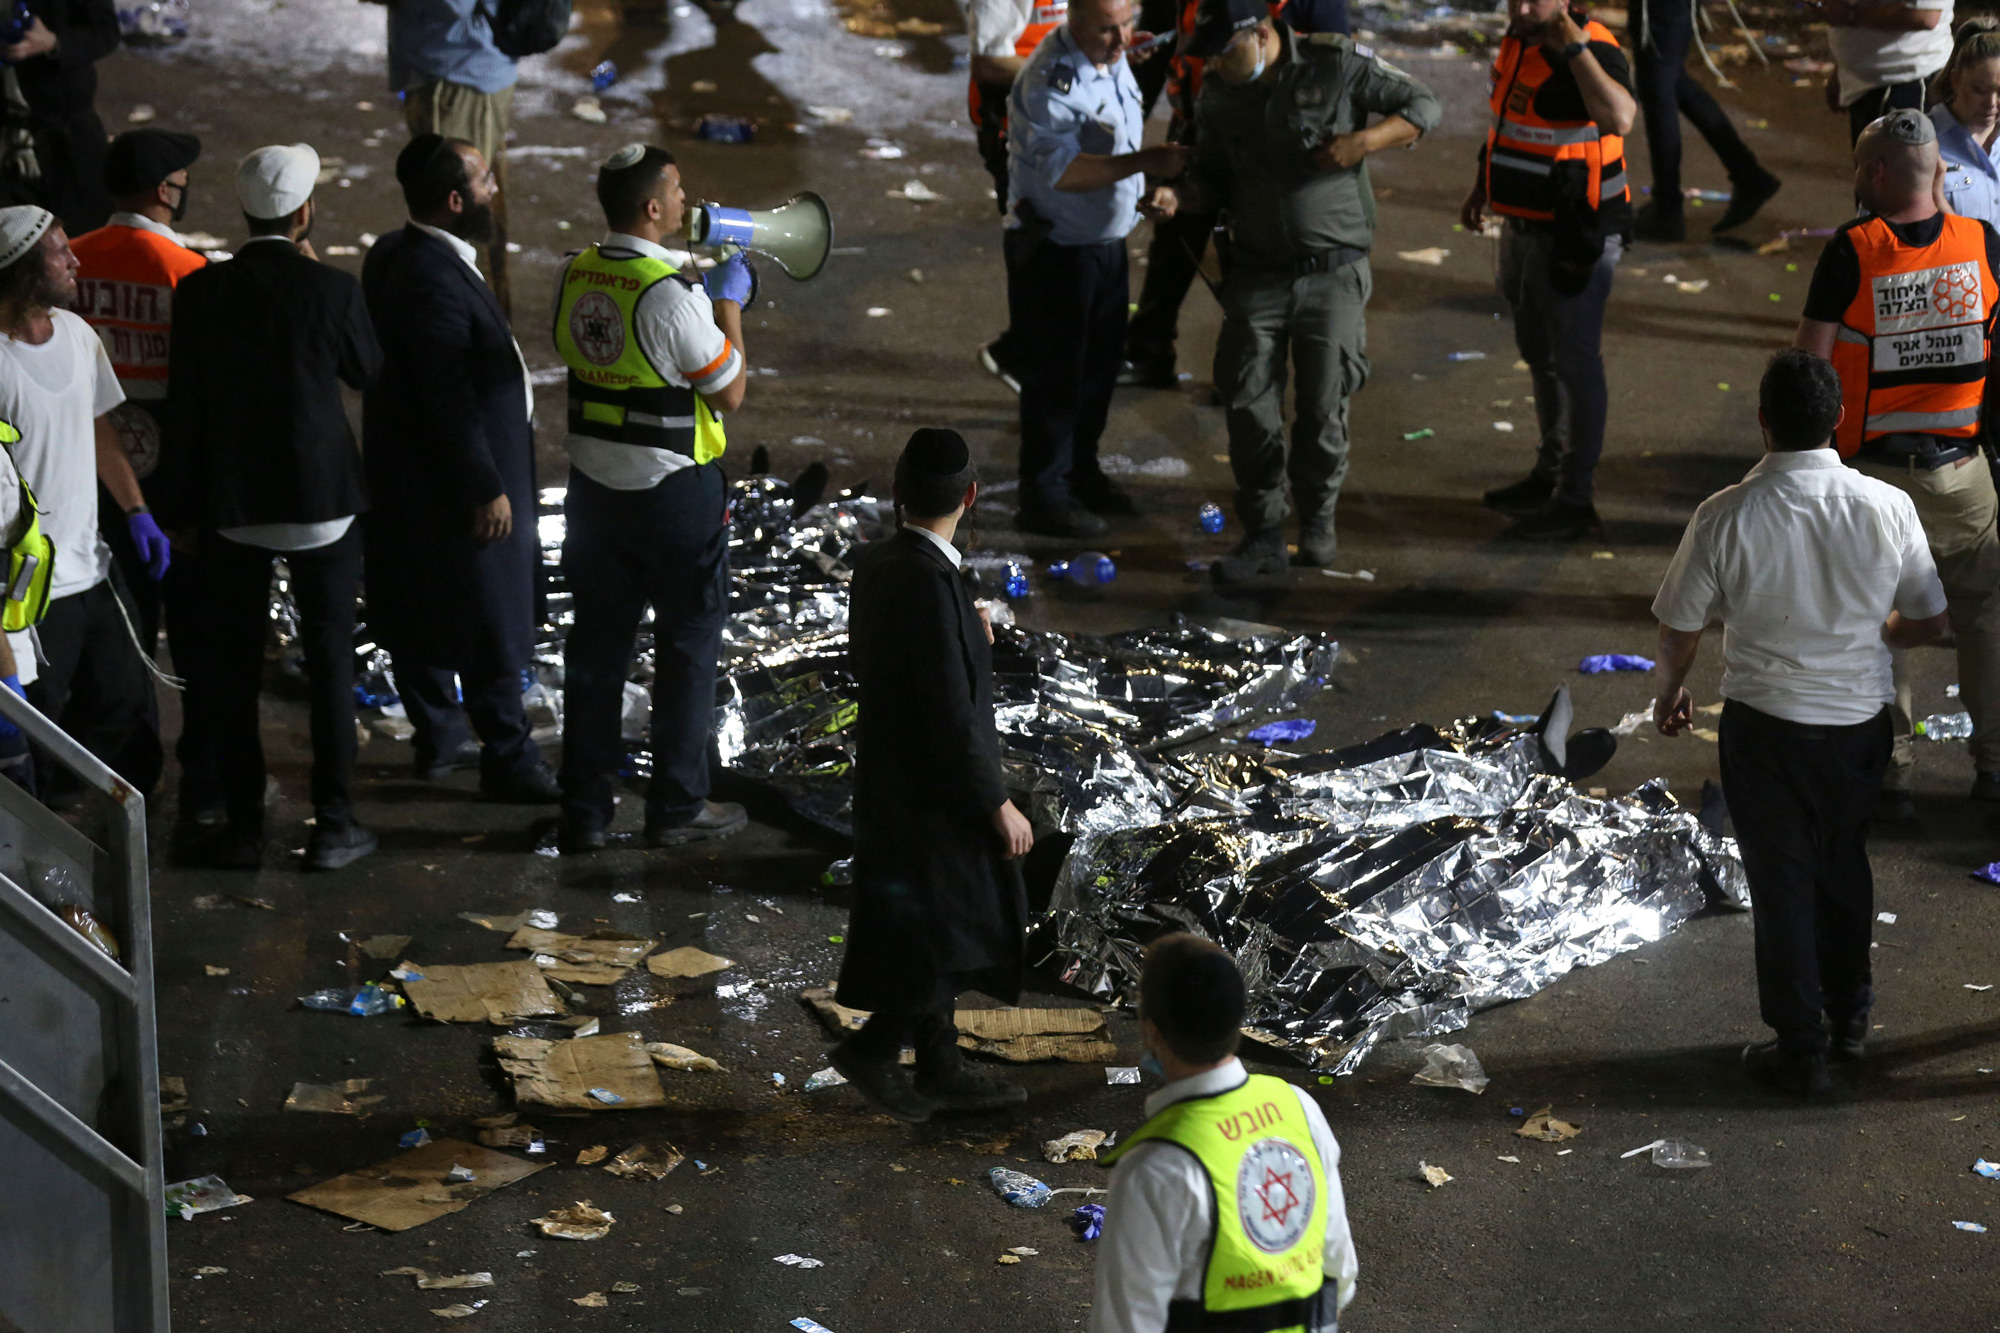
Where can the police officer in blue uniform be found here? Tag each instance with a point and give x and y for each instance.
(1076, 188)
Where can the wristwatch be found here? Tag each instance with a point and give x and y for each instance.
(1573, 50)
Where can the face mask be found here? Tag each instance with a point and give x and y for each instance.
(1150, 1064)
(181, 204)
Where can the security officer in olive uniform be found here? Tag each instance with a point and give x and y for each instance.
(654, 356)
(1281, 142)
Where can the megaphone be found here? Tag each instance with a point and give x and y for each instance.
(798, 233)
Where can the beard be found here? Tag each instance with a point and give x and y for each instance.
(57, 293)
(475, 224)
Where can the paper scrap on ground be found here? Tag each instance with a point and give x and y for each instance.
(1077, 1146)
(686, 961)
(581, 1222)
(595, 1300)
(1020, 1036)
(575, 1075)
(824, 1078)
(1886, 918)
(411, 1188)
(1430, 254)
(646, 1161)
(383, 947)
(1546, 1128)
(592, 1156)
(1971, 1226)
(597, 959)
(1434, 1176)
(800, 1261)
(1008, 1259)
(205, 1194)
(458, 1311)
(670, 1056)
(333, 1098)
(440, 1282)
(1115, 1074)
(497, 993)
(507, 921)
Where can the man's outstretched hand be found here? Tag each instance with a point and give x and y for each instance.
(1017, 835)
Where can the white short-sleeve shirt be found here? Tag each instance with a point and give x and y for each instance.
(1870, 58)
(53, 393)
(993, 27)
(1802, 561)
(676, 327)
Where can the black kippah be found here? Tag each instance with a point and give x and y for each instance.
(935, 451)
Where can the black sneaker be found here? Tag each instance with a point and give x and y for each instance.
(1746, 197)
(884, 1083)
(1524, 496)
(330, 848)
(1072, 521)
(718, 819)
(1800, 1073)
(1556, 521)
(436, 767)
(1654, 223)
(1896, 809)
(1260, 555)
(1850, 1036)
(1986, 787)
(961, 1089)
(1317, 546)
(533, 785)
(990, 362)
(1101, 495)
(1150, 372)
(575, 838)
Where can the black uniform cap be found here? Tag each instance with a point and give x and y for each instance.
(1217, 22)
(140, 159)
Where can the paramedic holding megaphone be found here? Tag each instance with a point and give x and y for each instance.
(655, 359)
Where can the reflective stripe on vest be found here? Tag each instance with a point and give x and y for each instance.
(125, 290)
(616, 393)
(31, 558)
(1912, 347)
(1523, 149)
(1266, 1258)
(1044, 17)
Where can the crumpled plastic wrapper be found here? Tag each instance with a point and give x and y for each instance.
(1391, 890)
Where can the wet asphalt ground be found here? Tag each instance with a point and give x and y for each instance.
(1831, 1217)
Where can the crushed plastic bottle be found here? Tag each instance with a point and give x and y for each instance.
(1210, 518)
(1465, 356)
(724, 129)
(1946, 726)
(602, 76)
(1092, 569)
(416, 1138)
(1018, 1188)
(361, 1001)
(1678, 1156)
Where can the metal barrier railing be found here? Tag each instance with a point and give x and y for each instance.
(83, 1245)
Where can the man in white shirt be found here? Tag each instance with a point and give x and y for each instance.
(655, 357)
(1226, 1209)
(57, 388)
(1884, 54)
(1815, 572)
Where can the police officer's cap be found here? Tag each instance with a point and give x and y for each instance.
(1217, 22)
(1905, 126)
(140, 159)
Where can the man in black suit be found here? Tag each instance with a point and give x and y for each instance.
(939, 906)
(262, 465)
(448, 435)
(51, 140)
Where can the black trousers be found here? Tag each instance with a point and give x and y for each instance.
(1800, 798)
(490, 701)
(181, 600)
(929, 1028)
(1879, 102)
(668, 548)
(96, 686)
(1173, 259)
(1667, 92)
(226, 680)
(1068, 306)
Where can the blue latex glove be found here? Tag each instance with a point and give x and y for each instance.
(154, 549)
(732, 280)
(8, 731)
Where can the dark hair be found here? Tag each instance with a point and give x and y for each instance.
(1191, 991)
(1800, 398)
(430, 168)
(622, 192)
(932, 494)
(25, 282)
(269, 226)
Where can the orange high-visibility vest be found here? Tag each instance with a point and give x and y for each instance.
(1044, 17)
(1911, 349)
(1523, 148)
(125, 289)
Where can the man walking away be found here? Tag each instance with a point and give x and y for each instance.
(1226, 1210)
(263, 466)
(1914, 375)
(1884, 54)
(57, 389)
(448, 435)
(1666, 93)
(1815, 573)
(938, 903)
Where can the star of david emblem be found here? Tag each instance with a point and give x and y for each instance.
(1277, 1198)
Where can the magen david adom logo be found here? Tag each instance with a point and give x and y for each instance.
(597, 328)
(1955, 294)
(1275, 1195)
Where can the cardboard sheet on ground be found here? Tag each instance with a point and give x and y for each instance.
(686, 961)
(597, 959)
(569, 1074)
(481, 993)
(1020, 1036)
(410, 1188)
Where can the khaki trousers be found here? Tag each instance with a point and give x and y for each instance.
(1958, 507)
(459, 112)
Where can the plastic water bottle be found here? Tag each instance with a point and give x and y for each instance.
(603, 76)
(1092, 569)
(1209, 516)
(1016, 583)
(1946, 726)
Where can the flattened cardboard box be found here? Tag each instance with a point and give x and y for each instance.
(410, 1189)
(497, 993)
(563, 1073)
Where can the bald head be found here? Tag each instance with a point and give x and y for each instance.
(1895, 163)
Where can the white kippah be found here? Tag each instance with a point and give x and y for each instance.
(274, 181)
(625, 157)
(20, 227)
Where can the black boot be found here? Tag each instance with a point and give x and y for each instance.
(1746, 197)
(956, 1088)
(1800, 1073)
(883, 1082)
(1557, 521)
(1523, 497)
(1260, 555)
(1656, 223)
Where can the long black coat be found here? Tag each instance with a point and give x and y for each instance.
(445, 430)
(933, 894)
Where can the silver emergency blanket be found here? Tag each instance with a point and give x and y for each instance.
(1372, 897)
